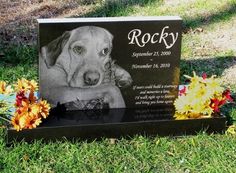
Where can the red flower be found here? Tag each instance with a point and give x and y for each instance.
(183, 91)
(215, 103)
(20, 96)
(223, 101)
(227, 96)
(204, 76)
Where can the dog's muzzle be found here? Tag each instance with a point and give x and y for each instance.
(91, 78)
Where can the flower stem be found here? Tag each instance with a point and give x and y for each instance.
(5, 119)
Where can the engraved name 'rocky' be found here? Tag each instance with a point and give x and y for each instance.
(136, 36)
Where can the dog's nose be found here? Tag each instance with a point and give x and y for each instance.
(91, 77)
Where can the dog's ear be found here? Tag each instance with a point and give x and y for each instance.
(122, 77)
(110, 37)
(51, 51)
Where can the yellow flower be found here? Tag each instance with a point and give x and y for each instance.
(44, 108)
(196, 103)
(203, 93)
(231, 130)
(179, 116)
(195, 80)
(33, 85)
(194, 115)
(214, 85)
(182, 104)
(21, 85)
(207, 111)
(25, 85)
(197, 108)
(4, 89)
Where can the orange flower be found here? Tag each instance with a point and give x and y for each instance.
(25, 85)
(4, 89)
(32, 122)
(29, 109)
(32, 98)
(18, 121)
(33, 110)
(44, 108)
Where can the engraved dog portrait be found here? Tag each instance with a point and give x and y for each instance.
(76, 69)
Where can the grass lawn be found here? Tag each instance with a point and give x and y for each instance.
(208, 45)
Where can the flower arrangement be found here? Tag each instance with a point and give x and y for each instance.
(202, 98)
(29, 111)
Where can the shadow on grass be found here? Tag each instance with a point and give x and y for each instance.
(211, 66)
(221, 15)
(122, 8)
(117, 8)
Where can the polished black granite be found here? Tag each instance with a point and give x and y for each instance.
(96, 124)
(62, 117)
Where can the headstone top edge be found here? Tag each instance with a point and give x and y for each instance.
(109, 19)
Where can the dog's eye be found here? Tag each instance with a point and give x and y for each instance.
(104, 52)
(78, 50)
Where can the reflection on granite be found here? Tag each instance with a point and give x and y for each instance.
(60, 116)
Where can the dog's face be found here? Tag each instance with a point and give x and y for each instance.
(83, 54)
